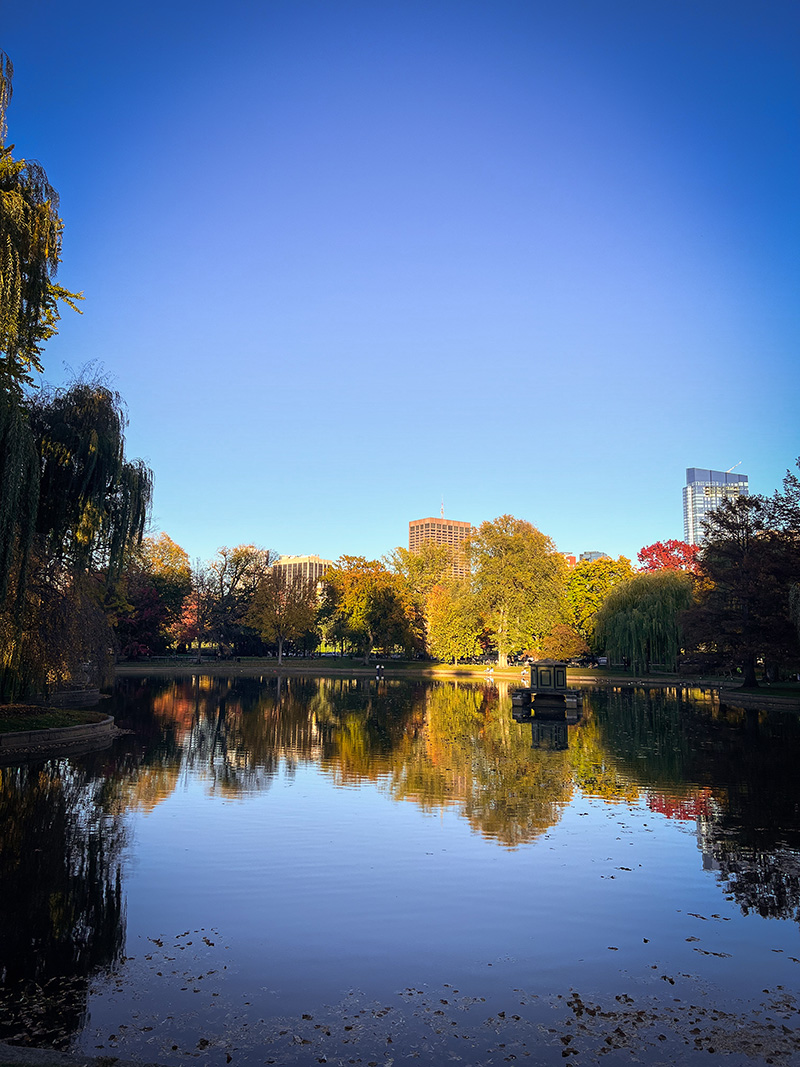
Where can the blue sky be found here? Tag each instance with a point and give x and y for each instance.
(346, 259)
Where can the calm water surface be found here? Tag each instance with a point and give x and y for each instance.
(356, 871)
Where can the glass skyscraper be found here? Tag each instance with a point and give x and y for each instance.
(704, 491)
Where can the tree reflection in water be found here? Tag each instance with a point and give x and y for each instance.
(450, 745)
(733, 770)
(61, 901)
(439, 745)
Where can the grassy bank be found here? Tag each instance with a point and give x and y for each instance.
(17, 717)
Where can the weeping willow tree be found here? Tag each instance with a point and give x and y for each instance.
(92, 503)
(19, 493)
(640, 619)
(30, 251)
(71, 506)
(90, 511)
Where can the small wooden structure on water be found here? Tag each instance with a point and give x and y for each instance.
(546, 696)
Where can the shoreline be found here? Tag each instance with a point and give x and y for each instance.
(728, 692)
(36, 740)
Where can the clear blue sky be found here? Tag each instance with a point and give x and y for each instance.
(343, 259)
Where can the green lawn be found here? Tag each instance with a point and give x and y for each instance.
(16, 717)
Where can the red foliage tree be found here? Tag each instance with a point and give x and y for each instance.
(669, 556)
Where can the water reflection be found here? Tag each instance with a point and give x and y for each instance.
(441, 747)
(61, 900)
(732, 770)
(438, 745)
(445, 745)
(550, 734)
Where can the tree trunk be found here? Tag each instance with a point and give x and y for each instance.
(280, 651)
(502, 660)
(749, 667)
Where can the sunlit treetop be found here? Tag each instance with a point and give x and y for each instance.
(30, 252)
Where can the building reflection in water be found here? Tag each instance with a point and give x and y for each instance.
(550, 727)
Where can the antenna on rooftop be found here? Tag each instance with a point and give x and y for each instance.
(442, 511)
(733, 468)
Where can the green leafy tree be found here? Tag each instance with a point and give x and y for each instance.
(519, 583)
(31, 232)
(588, 585)
(454, 623)
(640, 620)
(364, 604)
(284, 608)
(783, 511)
(783, 508)
(749, 566)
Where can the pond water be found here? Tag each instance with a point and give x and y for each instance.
(302, 870)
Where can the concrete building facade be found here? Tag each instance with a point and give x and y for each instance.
(441, 531)
(311, 567)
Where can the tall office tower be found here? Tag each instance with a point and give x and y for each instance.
(441, 532)
(302, 566)
(704, 491)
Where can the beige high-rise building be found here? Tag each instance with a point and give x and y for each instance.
(302, 566)
(442, 531)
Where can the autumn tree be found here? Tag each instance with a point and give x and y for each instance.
(563, 642)
(423, 573)
(641, 620)
(31, 232)
(519, 583)
(157, 580)
(669, 556)
(193, 624)
(230, 582)
(588, 586)
(283, 608)
(363, 603)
